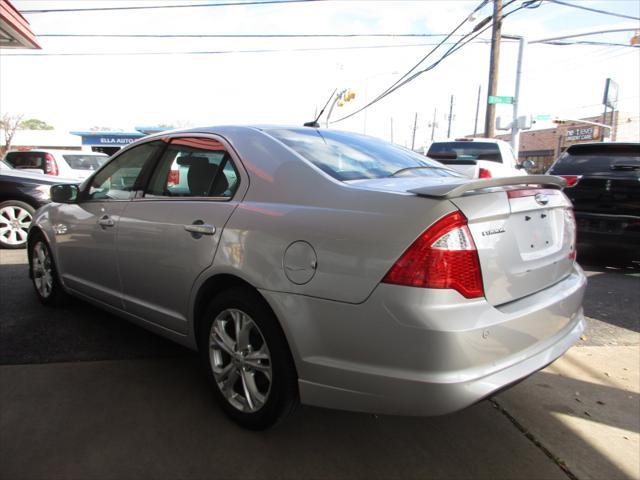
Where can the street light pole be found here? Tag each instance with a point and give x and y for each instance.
(515, 128)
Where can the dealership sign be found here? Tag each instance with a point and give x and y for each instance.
(582, 133)
(109, 140)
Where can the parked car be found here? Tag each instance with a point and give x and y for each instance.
(477, 157)
(603, 180)
(63, 163)
(21, 194)
(320, 266)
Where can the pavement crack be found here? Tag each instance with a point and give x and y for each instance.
(559, 462)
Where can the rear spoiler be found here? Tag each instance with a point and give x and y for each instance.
(457, 188)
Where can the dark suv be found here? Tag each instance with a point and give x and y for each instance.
(604, 185)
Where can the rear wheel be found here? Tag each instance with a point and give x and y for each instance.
(43, 273)
(248, 359)
(15, 220)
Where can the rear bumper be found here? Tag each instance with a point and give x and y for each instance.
(412, 351)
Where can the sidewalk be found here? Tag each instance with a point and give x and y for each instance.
(585, 410)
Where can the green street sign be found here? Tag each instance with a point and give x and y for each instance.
(496, 99)
(543, 118)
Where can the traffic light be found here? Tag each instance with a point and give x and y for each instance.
(557, 121)
(344, 96)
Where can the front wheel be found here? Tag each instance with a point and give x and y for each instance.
(43, 273)
(248, 359)
(15, 219)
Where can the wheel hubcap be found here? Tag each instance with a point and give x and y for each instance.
(41, 269)
(14, 225)
(240, 360)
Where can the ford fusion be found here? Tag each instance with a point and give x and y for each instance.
(320, 267)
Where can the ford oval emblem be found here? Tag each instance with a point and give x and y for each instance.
(542, 199)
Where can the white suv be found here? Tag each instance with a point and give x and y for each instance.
(477, 157)
(62, 163)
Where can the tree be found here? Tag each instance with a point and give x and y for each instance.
(9, 124)
(34, 124)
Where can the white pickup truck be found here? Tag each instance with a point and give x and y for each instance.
(477, 157)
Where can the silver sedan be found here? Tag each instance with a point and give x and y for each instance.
(320, 267)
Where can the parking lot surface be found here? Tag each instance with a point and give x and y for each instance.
(86, 395)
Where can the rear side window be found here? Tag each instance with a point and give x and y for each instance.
(26, 159)
(589, 159)
(194, 167)
(85, 162)
(466, 151)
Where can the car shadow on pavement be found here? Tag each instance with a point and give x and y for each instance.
(34, 333)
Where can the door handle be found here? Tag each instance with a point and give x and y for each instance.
(106, 221)
(200, 229)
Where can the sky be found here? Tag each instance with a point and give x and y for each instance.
(288, 87)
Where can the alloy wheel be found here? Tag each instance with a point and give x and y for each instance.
(240, 360)
(14, 225)
(42, 269)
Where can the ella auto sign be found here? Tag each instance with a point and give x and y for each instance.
(582, 133)
(109, 140)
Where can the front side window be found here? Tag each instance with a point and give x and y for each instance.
(347, 156)
(194, 167)
(120, 177)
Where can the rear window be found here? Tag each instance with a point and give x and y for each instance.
(26, 159)
(348, 156)
(586, 159)
(85, 162)
(466, 151)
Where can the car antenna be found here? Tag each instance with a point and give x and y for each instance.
(315, 123)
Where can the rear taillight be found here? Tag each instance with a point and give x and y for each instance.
(444, 256)
(484, 173)
(572, 180)
(50, 165)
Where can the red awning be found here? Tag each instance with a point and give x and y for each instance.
(14, 28)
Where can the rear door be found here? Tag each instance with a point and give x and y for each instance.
(169, 235)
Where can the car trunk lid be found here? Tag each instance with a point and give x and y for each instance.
(523, 227)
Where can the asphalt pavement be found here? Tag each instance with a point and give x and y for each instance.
(86, 395)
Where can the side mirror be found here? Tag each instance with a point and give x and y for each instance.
(66, 193)
(527, 164)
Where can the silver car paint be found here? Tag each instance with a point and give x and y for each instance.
(339, 324)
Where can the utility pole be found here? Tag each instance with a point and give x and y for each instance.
(492, 89)
(475, 124)
(450, 117)
(415, 127)
(391, 129)
(433, 124)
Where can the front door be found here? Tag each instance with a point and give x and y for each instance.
(86, 231)
(170, 235)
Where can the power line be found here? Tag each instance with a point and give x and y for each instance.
(157, 7)
(585, 34)
(239, 35)
(456, 46)
(211, 52)
(401, 79)
(582, 7)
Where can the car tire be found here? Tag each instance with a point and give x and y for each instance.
(15, 219)
(254, 379)
(43, 273)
